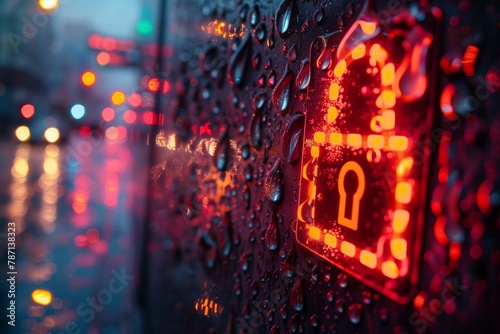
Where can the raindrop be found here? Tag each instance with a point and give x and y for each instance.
(354, 313)
(297, 295)
(245, 262)
(244, 12)
(260, 33)
(342, 280)
(284, 16)
(350, 10)
(314, 320)
(270, 40)
(294, 323)
(304, 75)
(275, 329)
(268, 64)
(292, 138)
(256, 60)
(281, 93)
(339, 305)
(238, 63)
(292, 53)
(259, 101)
(318, 16)
(271, 80)
(254, 288)
(329, 296)
(273, 187)
(256, 130)
(367, 297)
(340, 22)
(254, 16)
(245, 151)
(261, 81)
(289, 267)
(247, 172)
(221, 155)
(284, 312)
(271, 237)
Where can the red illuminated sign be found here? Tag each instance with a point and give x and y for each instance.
(364, 162)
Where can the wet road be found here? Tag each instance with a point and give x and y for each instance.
(77, 209)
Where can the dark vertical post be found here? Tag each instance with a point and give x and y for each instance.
(143, 291)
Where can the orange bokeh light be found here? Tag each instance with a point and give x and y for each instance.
(88, 78)
(118, 98)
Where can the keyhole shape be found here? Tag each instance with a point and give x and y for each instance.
(350, 197)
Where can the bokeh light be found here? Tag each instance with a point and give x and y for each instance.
(118, 98)
(108, 114)
(77, 111)
(23, 133)
(103, 58)
(27, 110)
(48, 4)
(129, 116)
(42, 297)
(154, 84)
(135, 100)
(51, 135)
(88, 78)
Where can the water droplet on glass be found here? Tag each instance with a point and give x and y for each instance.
(292, 138)
(282, 91)
(292, 53)
(245, 262)
(245, 151)
(244, 12)
(304, 75)
(275, 329)
(339, 305)
(273, 187)
(354, 313)
(271, 80)
(367, 297)
(284, 311)
(314, 320)
(261, 81)
(254, 288)
(260, 33)
(238, 63)
(342, 280)
(270, 40)
(256, 130)
(288, 266)
(271, 237)
(350, 10)
(221, 155)
(294, 323)
(329, 296)
(247, 172)
(318, 16)
(254, 16)
(340, 22)
(284, 16)
(259, 101)
(256, 60)
(297, 295)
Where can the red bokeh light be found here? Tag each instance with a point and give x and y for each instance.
(108, 114)
(130, 116)
(28, 110)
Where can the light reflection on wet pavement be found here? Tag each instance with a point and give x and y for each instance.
(78, 210)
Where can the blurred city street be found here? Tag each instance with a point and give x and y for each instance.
(77, 208)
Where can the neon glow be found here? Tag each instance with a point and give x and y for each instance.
(363, 172)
